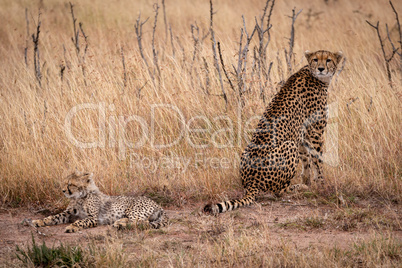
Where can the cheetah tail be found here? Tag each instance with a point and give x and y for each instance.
(215, 209)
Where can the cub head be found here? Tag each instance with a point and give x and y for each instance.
(78, 185)
(323, 64)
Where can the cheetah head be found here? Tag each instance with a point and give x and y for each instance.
(78, 185)
(323, 64)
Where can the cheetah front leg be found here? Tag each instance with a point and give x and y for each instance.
(306, 168)
(78, 225)
(89, 222)
(314, 152)
(63, 217)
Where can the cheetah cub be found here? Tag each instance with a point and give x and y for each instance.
(90, 207)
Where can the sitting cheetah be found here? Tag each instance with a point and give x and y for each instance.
(92, 207)
(292, 127)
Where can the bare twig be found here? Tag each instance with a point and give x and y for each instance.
(206, 75)
(223, 67)
(85, 53)
(154, 52)
(138, 31)
(86, 41)
(35, 39)
(27, 38)
(62, 69)
(262, 48)
(139, 89)
(124, 68)
(215, 55)
(164, 18)
(289, 54)
(63, 65)
(195, 33)
(242, 61)
(386, 59)
(400, 38)
(184, 62)
(75, 40)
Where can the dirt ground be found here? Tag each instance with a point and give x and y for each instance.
(284, 220)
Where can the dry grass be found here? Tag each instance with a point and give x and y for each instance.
(36, 153)
(233, 245)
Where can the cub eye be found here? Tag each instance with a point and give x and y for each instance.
(315, 60)
(329, 60)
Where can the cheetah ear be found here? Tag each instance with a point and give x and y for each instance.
(308, 54)
(88, 177)
(339, 56)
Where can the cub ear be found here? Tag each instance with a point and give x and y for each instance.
(89, 177)
(339, 56)
(308, 54)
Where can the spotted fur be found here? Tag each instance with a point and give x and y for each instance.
(290, 129)
(89, 207)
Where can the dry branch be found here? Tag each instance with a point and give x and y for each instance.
(240, 71)
(215, 56)
(124, 68)
(76, 42)
(386, 59)
(154, 52)
(35, 40)
(400, 38)
(197, 39)
(223, 67)
(207, 82)
(289, 54)
(138, 31)
(261, 58)
(27, 38)
(164, 18)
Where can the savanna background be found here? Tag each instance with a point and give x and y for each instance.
(148, 74)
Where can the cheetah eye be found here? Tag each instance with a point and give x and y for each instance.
(315, 60)
(329, 60)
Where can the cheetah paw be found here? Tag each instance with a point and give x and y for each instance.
(72, 229)
(38, 223)
(121, 223)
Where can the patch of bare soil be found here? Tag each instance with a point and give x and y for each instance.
(300, 223)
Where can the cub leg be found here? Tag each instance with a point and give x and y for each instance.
(82, 224)
(63, 217)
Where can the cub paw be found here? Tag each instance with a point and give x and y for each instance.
(38, 223)
(72, 229)
(121, 223)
